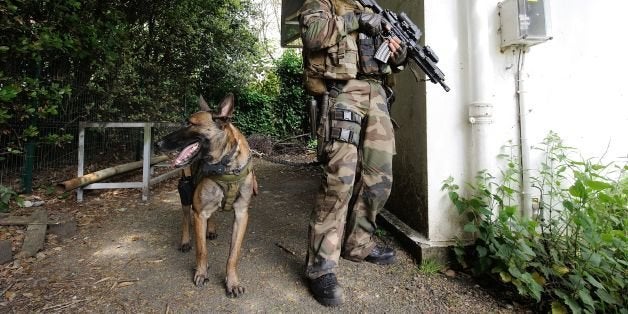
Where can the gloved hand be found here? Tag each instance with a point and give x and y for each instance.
(399, 52)
(371, 24)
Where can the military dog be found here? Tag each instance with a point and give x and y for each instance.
(223, 179)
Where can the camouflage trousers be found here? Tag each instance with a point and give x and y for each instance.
(356, 181)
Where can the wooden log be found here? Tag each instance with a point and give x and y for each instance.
(104, 174)
(35, 234)
(60, 219)
(15, 221)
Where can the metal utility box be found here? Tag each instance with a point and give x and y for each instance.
(524, 22)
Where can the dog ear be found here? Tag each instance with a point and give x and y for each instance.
(203, 104)
(225, 110)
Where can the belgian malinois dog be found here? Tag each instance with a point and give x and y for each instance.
(223, 179)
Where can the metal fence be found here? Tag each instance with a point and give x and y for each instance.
(104, 147)
(41, 161)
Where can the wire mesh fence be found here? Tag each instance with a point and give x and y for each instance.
(104, 146)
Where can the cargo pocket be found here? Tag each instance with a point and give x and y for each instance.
(341, 62)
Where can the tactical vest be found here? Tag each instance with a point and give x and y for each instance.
(344, 60)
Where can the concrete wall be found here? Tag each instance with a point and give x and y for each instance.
(575, 87)
(408, 200)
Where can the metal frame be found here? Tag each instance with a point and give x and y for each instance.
(147, 170)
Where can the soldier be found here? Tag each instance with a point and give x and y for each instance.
(356, 137)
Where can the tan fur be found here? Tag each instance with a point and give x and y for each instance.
(208, 194)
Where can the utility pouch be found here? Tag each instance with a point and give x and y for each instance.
(366, 46)
(314, 68)
(313, 110)
(341, 62)
(346, 126)
(186, 189)
(322, 131)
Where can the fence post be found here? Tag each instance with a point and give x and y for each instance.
(27, 169)
(29, 153)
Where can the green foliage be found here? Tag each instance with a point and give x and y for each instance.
(255, 112)
(290, 103)
(574, 253)
(380, 232)
(6, 197)
(430, 267)
(117, 61)
(275, 106)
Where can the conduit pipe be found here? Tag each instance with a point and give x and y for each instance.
(480, 80)
(524, 146)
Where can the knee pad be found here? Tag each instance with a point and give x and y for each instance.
(346, 126)
(186, 190)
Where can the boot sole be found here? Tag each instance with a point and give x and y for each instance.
(330, 302)
(385, 261)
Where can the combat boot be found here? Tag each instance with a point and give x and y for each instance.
(327, 291)
(381, 255)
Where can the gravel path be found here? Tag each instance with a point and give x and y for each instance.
(124, 258)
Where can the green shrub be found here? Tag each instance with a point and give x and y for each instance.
(275, 106)
(255, 113)
(6, 196)
(573, 252)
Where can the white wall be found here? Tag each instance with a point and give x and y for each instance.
(576, 87)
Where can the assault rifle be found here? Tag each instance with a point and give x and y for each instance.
(403, 28)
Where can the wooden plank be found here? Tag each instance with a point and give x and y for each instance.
(5, 252)
(25, 220)
(15, 221)
(35, 234)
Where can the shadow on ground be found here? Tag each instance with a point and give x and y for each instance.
(126, 260)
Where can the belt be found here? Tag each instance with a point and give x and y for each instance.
(335, 87)
(371, 77)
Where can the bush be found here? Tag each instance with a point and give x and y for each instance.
(275, 106)
(573, 252)
(6, 196)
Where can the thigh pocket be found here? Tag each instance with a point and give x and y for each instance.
(346, 126)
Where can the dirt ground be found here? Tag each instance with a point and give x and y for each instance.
(124, 258)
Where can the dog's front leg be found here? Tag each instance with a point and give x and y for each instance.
(185, 228)
(200, 226)
(234, 289)
(211, 228)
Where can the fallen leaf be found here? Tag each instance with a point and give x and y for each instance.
(101, 280)
(125, 283)
(10, 295)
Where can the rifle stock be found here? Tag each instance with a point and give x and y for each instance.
(402, 27)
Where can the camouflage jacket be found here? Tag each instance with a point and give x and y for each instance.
(333, 47)
(321, 27)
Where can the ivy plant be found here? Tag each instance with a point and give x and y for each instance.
(572, 254)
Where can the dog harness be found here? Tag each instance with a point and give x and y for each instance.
(229, 182)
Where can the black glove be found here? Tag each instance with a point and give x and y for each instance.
(399, 57)
(371, 24)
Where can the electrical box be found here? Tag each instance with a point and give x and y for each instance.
(524, 23)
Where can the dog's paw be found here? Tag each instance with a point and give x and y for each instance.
(212, 235)
(200, 280)
(185, 247)
(235, 291)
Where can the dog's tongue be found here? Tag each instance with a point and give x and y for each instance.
(186, 154)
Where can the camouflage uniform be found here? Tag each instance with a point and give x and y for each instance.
(357, 177)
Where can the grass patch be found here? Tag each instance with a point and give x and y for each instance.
(430, 267)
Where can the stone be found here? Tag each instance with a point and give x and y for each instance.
(5, 251)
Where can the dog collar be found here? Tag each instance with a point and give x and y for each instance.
(220, 168)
